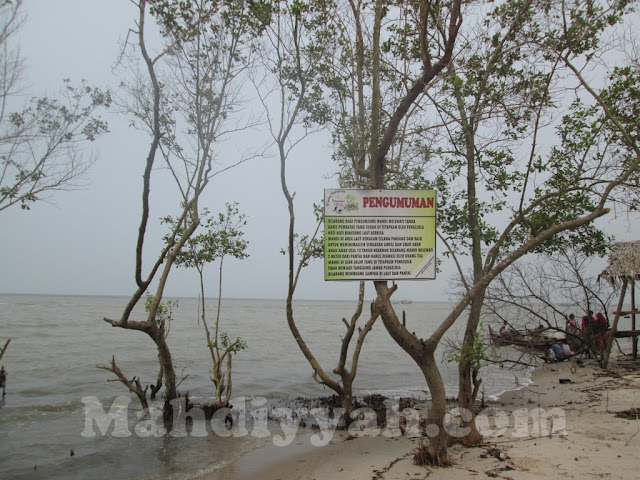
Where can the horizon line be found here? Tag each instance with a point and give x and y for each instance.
(196, 298)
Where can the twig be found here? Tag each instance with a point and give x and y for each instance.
(631, 438)
(184, 377)
(380, 473)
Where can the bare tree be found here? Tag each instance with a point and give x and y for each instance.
(186, 101)
(386, 57)
(503, 192)
(489, 99)
(42, 144)
(435, 29)
(298, 49)
(545, 290)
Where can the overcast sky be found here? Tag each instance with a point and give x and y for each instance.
(83, 242)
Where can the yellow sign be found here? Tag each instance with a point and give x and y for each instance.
(379, 234)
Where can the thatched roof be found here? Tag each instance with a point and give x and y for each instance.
(624, 262)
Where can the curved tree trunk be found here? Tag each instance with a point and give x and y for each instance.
(466, 383)
(346, 400)
(436, 450)
(423, 353)
(169, 374)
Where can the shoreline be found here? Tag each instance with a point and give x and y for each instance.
(577, 435)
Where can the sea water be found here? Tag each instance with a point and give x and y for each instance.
(57, 341)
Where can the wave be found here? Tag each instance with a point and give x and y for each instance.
(28, 410)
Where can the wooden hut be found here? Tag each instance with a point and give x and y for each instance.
(623, 270)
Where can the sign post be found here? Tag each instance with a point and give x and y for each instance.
(379, 234)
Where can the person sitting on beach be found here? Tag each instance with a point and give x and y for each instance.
(558, 351)
(549, 355)
(538, 329)
(566, 349)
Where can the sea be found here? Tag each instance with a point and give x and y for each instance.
(57, 341)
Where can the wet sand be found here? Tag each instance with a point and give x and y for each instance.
(563, 425)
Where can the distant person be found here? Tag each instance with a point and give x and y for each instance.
(549, 355)
(3, 381)
(601, 324)
(504, 329)
(600, 328)
(539, 329)
(566, 349)
(588, 322)
(571, 325)
(558, 351)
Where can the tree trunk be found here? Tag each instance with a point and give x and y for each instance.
(437, 449)
(610, 335)
(227, 395)
(166, 364)
(423, 353)
(466, 384)
(346, 402)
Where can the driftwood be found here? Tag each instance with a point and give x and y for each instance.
(133, 384)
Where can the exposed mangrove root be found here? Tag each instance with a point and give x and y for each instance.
(427, 455)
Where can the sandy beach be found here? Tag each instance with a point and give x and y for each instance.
(563, 425)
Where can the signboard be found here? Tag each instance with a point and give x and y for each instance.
(379, 234)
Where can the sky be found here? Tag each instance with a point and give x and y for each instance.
(82, 242)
